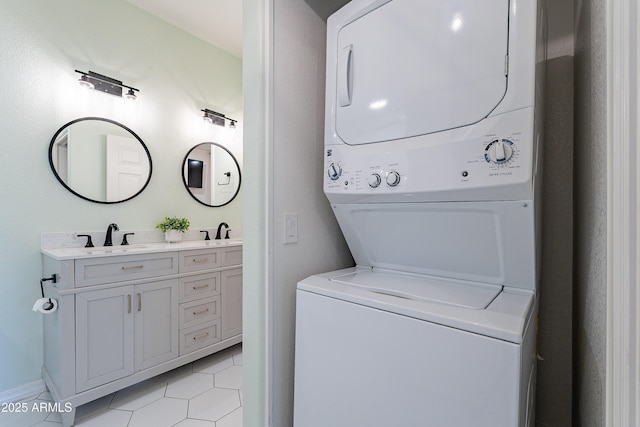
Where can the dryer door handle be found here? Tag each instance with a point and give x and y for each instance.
(345, 76)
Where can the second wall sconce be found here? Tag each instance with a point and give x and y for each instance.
(101, 83)
(216, 118)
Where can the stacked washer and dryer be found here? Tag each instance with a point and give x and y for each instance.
(433, 159)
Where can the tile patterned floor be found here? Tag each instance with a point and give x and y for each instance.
(205, 393)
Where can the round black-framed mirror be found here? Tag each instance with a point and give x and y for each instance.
(211, 174)
(100, 160)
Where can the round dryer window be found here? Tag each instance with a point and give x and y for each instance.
(400, 75)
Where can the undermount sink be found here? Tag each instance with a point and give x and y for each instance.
(221, 242)
(112, 249)
(105, 251)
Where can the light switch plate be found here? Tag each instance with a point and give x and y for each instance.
(290, 228)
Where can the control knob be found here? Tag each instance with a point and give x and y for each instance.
(374, 180)
(393, 179)
(334, 171)
(499, 151)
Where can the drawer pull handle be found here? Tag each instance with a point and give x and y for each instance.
(132, 267)
(197, 260)
(195, 313)
(200, 287)
(139, 301)
(201, 336)
(129, 298)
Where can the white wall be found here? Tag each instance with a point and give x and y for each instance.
(297, 170)
(284, 145)
(41, 44)
(255, 220)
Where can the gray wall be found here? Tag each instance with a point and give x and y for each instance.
(554, 387)
(554, 392)
(590, 219)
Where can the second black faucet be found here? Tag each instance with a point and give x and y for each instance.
(222, 224)
(110, 229)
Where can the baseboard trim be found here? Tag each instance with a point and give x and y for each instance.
(23, 392)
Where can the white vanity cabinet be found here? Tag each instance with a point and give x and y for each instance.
(231, 283)
(123, 330)
(124, 318)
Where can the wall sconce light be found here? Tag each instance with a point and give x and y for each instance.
(216, 118)
(105, 84)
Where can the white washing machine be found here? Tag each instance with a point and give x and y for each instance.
(432, 152)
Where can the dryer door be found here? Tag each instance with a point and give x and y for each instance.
(413, 67)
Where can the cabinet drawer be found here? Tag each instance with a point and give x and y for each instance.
(199, 259)
(199, 311)
(200, 286)
(199, 336)
(96, 271)
(231, 256)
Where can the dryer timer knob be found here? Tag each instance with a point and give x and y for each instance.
(393, 179)
(334, 171)
(499, 151)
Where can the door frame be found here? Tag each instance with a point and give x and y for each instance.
(623, 199)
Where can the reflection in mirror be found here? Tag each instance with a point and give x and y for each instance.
(100, 160)
(211, 174)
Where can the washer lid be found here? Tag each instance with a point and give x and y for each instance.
(505, 318)
(413, 67)
(475, 296)
(475, 242)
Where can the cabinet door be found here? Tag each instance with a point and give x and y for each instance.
(231, 289)
(156, 323)
(104, 336)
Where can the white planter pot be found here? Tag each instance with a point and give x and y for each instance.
(173, 236)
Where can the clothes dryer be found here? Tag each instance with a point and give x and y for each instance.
(432, 156)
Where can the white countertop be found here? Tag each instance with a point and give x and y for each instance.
(138, 248)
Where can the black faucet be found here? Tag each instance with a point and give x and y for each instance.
(206, 237)
(124, 239)
(110, 229)
(222, 224)
(89, 242)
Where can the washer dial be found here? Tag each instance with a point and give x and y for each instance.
(499, 151)
(393, 179)
(374, 180)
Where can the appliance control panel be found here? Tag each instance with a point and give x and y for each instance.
(485, 164)
(341, 176)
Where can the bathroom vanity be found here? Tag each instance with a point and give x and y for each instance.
(129, 313)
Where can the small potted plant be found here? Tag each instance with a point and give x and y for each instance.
(173, 228)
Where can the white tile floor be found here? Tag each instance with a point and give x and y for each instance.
(205, 393)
